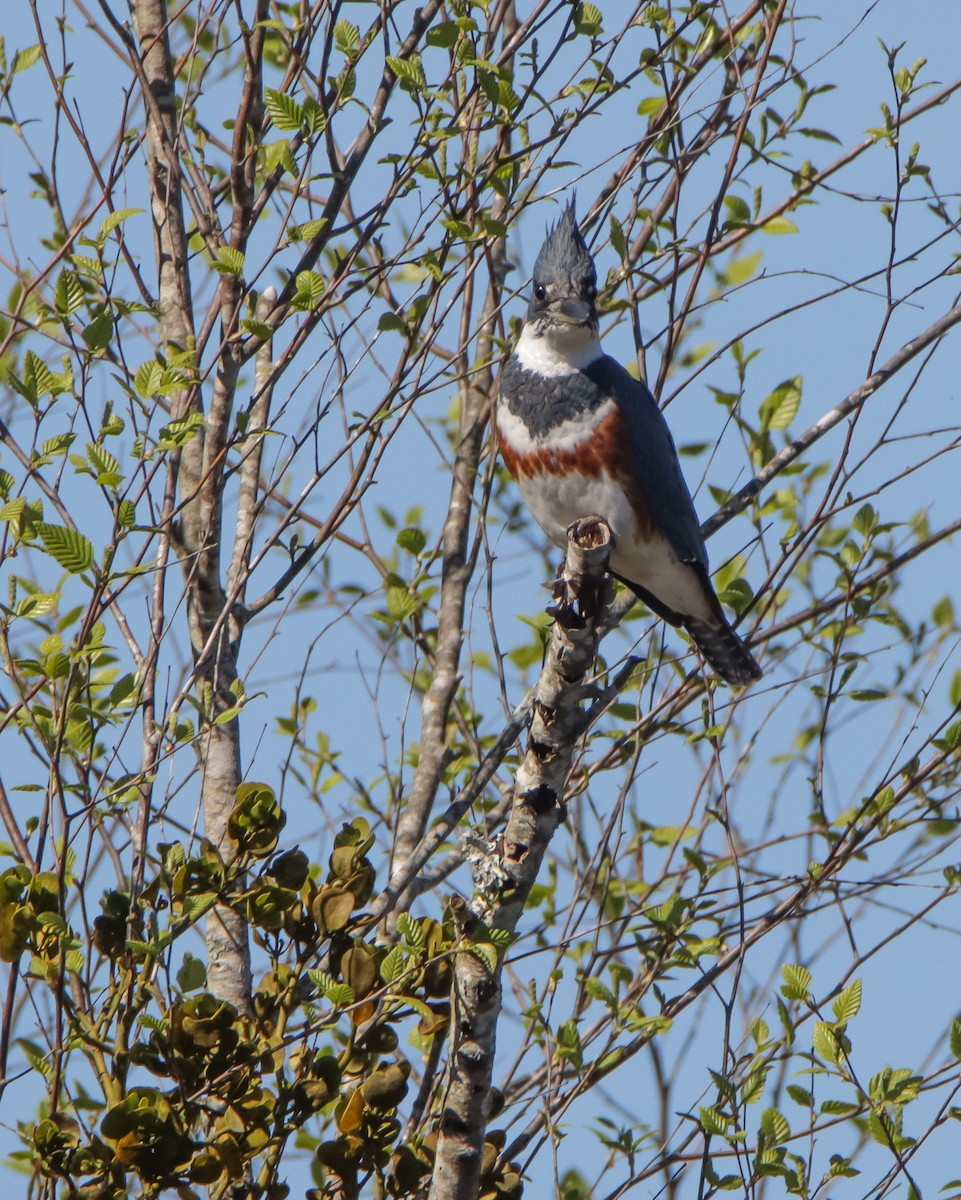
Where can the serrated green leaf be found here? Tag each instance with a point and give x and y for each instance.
(797, 982)
(393, 965)
(56, 446)
(837, 1107)
(780, 407)
(68, 547)
(106, 467)
(68, 294)
(775, 1125)
(408, 71)
(954, 1037)
(315, 119)
(112, 220)
(411, 930)
(283, 110)
(148, 379)
(588, 20)
(258, 329)
(752, 1088)
(346, 36)
(825, 1041)
(230, 261)
(713, 1121)
(276, 156)
(310, 290)
(180, 432)
(799, 1095)
(308, 231)
(841, 1168)
(486, 952)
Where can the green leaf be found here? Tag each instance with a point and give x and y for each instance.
(68, 294)
(865, 520)
(738, 594)
(71, 549)
(486, 952)
(739, 270)
(713, 1121)
(56, 446)
(308, 231)
(825, 1041)
(955, 1037)
(588, 20)
(106, 467)
(943, 616)
(180, 432)
(110, 222)
(393, 965)
(412, 539)
(649, 106)
(230, 261)
(780, 407)
(841, 1167)
(443, 35)
(310, 289)
(837, 1108)
(283, 110)
(797, 982)
(740, 214)
(390, 321)
(847, 1005)
(192, 974)
(568, 1044)
(315, 119)
(98, 333)
(779, 225)
(410, 74)
(23, 60)
(775, 1125)
(752, 1088)
(346, 37)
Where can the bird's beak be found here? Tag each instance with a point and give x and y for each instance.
(571, 311)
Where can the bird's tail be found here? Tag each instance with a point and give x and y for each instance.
(724, 650)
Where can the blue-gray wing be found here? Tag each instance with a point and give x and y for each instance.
(658, 472)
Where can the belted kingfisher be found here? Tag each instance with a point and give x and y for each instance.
(583, 438)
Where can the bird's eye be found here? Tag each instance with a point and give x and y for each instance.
(540, 292)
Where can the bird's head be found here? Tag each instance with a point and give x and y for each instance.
(565, 281)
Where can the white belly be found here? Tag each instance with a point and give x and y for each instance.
(555, 504)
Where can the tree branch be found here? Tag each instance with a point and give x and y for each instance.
(504, 879)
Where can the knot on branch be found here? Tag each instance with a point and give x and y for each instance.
(584, 588)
